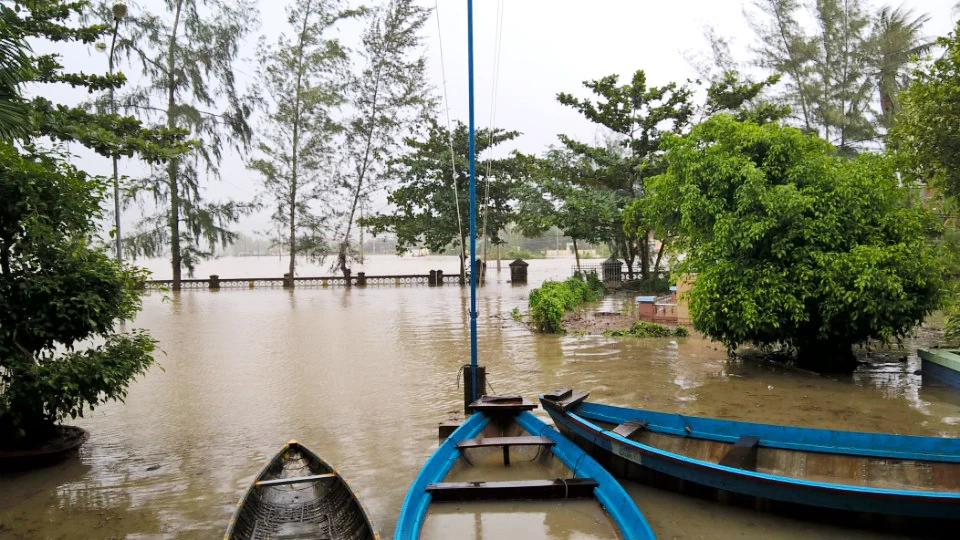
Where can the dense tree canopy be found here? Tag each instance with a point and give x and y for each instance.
(793, 245)
(927, 134)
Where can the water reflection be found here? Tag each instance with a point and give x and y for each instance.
(363, 376)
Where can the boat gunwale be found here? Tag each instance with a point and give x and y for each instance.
(279, 457)
(885, 493)
(438, 465)
(616, 414)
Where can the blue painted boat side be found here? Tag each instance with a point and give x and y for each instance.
(926, 504)
(946, 449)
(614, 499)
(415, 504)
(939, 373)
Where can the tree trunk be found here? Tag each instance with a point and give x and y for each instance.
(173, 166)
(656, 266)
(825, 356)
(576, 253)
(645, 256)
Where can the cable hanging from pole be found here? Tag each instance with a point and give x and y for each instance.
(453, 159)
(497, 47)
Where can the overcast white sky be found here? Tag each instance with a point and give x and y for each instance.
(548, 46)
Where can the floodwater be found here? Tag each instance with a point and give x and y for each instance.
(364, 376)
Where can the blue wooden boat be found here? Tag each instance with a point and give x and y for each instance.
(506, 423)
(855, 478)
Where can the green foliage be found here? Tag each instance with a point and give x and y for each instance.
(793, 245)
(390, 98)
(837, 69)
(517, 316)
(56, 291)
(637, 114)
(14, 64)
(54, 21)
(185, 54)
(432, 204)
(644, 329)
(927, 133)
(297, 143)
(552, 299)
(951, 327)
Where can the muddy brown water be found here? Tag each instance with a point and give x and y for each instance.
(363, 377)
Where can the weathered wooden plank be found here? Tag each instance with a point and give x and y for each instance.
(630, 427)
(295, 480)
(571, 400)
(743, 454)
(560, 393)
(573, 488)
(501, 404)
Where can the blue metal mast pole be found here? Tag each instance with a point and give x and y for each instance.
(473, 210)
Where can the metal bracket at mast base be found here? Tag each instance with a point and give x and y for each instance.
(468, 385)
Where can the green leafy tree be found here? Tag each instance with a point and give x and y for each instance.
(304, 77)
(637, 115)
(793, 245)
(427, 196)
(558, 195)
(927, 131)
(58, 294)
(186, 55)
(389, 97)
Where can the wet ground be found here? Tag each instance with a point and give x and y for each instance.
(363, 376)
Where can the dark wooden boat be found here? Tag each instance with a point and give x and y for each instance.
(297, 496)
(505, 424)
(864, 479)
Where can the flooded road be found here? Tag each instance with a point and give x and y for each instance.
(364, 376)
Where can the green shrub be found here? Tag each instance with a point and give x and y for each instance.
(681, 331)
(549, 302)
(517, 316)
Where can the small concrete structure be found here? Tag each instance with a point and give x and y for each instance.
(361, 279)
(612, 269)
(518, 271)
(214, 282)
(942, 365)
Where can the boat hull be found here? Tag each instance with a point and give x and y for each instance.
(615, 501)
(849, 505)
(941, 365)
(298, 495)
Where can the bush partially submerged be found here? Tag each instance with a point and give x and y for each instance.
(645, 329)
(549, 302)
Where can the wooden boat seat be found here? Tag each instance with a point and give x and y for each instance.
(572, 488)
(482, 442)
(505, 442)
(630, 427)
(743, 454)
(295, 480)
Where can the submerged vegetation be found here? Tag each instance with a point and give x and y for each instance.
(552, 299)
(643, 329)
